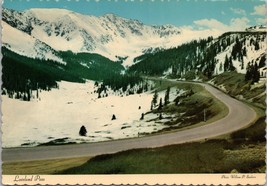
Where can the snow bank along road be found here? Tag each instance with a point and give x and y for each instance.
(240, 115)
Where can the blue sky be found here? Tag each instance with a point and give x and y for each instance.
(198, 14)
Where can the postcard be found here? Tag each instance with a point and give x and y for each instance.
(133, 92)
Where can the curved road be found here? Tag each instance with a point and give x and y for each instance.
(239, 116)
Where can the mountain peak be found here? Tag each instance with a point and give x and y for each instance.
(48, 14)
(109, 15)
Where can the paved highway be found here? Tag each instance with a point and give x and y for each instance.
(239, 116)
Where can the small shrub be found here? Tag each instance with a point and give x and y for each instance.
(113, 117)
(83, 131)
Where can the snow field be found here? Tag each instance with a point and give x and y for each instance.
(61, 112)
(26, 45)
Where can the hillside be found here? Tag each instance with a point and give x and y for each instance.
(22, 74)
(233, 51)
(27, 45)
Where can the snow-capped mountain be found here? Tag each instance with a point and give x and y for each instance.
(108, 35)
(24, 44)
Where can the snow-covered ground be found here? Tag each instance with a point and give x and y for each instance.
(61, 112)
(27, 45)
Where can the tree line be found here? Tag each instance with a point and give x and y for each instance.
(22, 75)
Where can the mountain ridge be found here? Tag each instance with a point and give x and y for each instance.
(108, 35)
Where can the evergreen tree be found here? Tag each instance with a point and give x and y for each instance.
(228, 41)
(82, 131)
(252, 73)
(174, 70)
(262, 61)
(167, 96)
(248, 75)
(160, 104)
(28, 95)
(24, 97)
(155, 98)
(226, 64)
(37, 92)
(113, 117)
(142, 116)
(176, 101)
(257, 46)
(251, 41)
(145, 87)
(256, 73)
(242, 64)
(231, 66)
